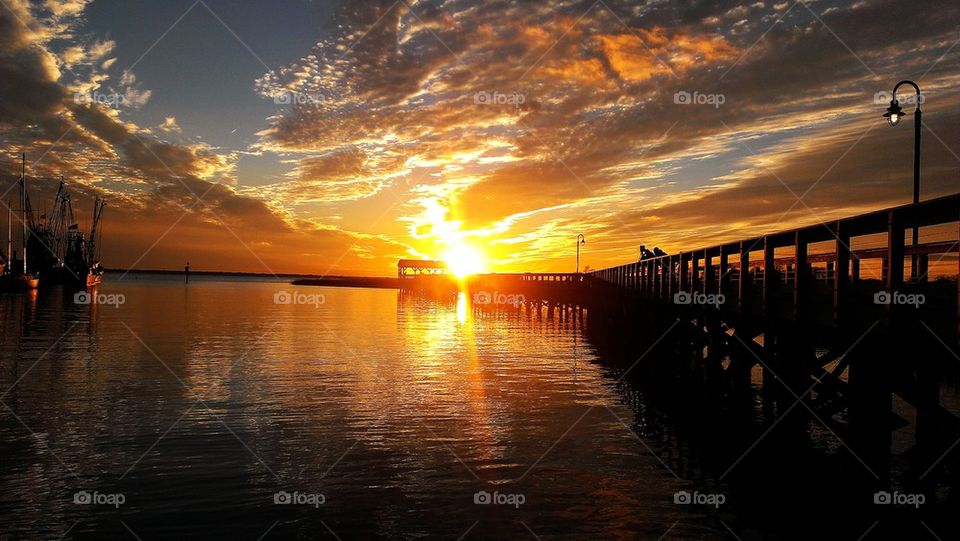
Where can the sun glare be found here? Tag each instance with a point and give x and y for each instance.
(463, 260)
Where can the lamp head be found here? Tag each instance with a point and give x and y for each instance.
(894, 113)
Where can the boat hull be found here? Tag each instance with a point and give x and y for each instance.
(19, 283)
(94, 279)
(66, 277)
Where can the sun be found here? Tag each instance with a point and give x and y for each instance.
(464, 260)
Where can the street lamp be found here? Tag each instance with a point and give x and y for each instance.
(893, 115)
(580, 241)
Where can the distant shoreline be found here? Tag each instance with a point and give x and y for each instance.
(350, 281)
(380, 282)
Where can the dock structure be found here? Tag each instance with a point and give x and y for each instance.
(827, 315)
(826, 287)
(412, 268)
(802, 307)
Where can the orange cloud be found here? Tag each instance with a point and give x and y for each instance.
(638, 57)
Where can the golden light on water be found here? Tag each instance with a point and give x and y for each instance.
(461, 308)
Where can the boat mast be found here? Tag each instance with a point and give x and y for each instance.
(9, 268)
(98, 205)
(23, 206)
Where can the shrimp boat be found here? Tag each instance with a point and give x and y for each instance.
(16, 275)
(81, 266)
(60, 253)
(68, 256)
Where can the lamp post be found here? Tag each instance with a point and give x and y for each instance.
(580, 241)
(893, 115)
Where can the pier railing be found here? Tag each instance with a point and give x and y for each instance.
(779, 275)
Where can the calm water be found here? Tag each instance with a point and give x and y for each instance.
(385, 414)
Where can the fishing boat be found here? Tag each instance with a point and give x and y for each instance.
(67, 256)
(81, 262)
(17, 275)
(10, 283)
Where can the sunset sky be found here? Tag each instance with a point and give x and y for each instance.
(338, 136)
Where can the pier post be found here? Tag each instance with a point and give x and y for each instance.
(645, 278)
(800, 293)
(660, 278)
(870, 369)
(684, 276)
(707, 272)
(895, 254)
(841, 287)
(667, 277)
(769, 276)
(923, 268)
(694, 272)
(723, 280)
(744, 285)
(770, 386)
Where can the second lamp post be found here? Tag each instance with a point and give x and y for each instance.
(580, 241)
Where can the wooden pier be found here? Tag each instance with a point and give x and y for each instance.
(820, 329)
(840, 317)
(826, 288)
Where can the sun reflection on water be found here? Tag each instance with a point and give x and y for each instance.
(461, 307)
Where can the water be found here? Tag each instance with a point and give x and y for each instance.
(198, 404)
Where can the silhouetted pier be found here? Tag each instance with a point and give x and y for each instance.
(828, 314)
(820, 330)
